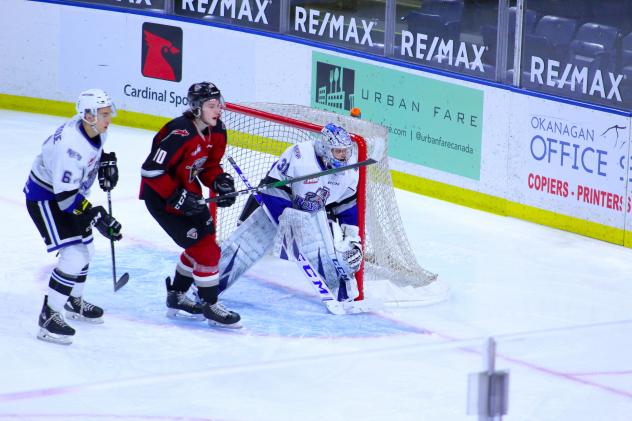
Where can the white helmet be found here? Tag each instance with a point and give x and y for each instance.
(91, 100)
(334, 137)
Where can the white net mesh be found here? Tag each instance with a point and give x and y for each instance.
(255, 143)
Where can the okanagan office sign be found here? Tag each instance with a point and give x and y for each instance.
(431, 123)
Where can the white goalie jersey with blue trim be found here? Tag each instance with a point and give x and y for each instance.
(336, 191)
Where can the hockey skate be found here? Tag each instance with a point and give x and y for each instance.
(79, 309)
(218, 315)
(180, 306)
(53, 326)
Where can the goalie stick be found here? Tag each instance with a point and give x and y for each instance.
(281, 183)
(312, 276)
(120, 283)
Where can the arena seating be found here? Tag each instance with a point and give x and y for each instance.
(433, 25)
(594, 46)
(489, 33)
(551, 37)
(448, 10)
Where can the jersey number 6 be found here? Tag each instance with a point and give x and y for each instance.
(66, 177)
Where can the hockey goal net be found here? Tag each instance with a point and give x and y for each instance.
(258, 133)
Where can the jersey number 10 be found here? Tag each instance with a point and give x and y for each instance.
(160, 155)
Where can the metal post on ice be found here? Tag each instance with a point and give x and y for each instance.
(488, 391)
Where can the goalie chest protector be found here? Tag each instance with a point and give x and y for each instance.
(314, 194)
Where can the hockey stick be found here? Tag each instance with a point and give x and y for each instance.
(313, 277)
(281, 183)
(118, 284)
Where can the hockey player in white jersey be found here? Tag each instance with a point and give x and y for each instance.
(56, 198)
(332, 233)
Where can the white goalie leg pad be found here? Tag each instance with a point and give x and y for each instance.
(303, 229)
(245, 246)
(313, 237)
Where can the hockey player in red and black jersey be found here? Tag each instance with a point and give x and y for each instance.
(186, 153)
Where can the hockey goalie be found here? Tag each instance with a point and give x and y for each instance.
(317, 218)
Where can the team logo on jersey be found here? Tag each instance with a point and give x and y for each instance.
(192, 233)
(180, 132)
(313, 201)
(297, 152)
(74, 154)
(161, 52)
(195, 168)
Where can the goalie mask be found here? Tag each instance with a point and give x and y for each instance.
(334, 146)
(90, 101)
(201, 92)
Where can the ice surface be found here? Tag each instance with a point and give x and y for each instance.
(558, 304)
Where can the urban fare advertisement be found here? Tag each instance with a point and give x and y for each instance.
(431, 123)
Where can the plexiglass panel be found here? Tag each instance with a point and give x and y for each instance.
(580, 49)
(447, 34)
(353, 24)
(260, 14)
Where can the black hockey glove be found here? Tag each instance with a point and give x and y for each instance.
(108, 171)
(97, 217)
(186, 202)
(224, 184)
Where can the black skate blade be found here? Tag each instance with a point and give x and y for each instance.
(121, 282)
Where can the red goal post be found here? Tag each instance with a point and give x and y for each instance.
(259, 133)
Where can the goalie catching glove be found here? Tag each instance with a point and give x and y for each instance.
(97, 217)
(224, 184)
(186, 202)
(348, 245)
(108, 171)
